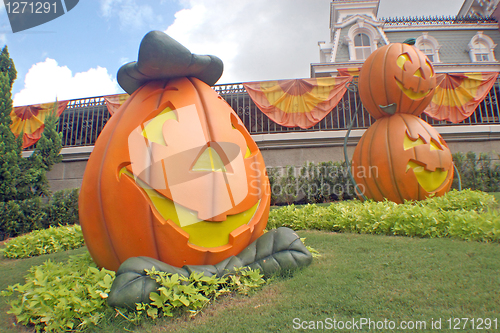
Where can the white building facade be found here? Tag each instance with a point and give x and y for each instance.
(465, 43)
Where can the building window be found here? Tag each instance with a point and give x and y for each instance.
(482, 48)
(362, 39)
(481, 52)
(428, 50)
(363, 46)
(429, 46)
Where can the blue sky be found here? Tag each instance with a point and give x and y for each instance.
(78, 54)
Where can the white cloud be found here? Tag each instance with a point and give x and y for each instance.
(107, 7)
(278, 39)
(132, 14)
(46, 81)
(256, 39)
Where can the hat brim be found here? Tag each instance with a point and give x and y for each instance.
(162, 57)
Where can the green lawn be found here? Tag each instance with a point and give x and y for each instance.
(358, 276)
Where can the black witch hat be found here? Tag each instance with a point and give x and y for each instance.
(162, 57)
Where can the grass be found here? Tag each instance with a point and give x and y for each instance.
(357, 276)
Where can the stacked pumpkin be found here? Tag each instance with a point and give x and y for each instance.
(400, 157)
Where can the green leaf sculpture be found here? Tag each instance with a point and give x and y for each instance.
(277, 250)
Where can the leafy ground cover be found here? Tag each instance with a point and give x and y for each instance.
(357, 276)
(44, 241)
(382, 278)
(467, 215)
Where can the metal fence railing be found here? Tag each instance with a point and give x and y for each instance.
(83, 119)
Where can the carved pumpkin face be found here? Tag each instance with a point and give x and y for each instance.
(402, 158)
(174, 176)
(396, 78)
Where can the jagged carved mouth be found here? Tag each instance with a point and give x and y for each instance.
(410, 92)
(428, 180)
(202, 233)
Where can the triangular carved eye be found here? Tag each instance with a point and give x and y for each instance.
(419, 73)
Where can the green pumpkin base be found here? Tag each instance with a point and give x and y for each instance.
(277, 250)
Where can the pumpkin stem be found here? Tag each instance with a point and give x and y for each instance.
(389, 109)
(410, 41)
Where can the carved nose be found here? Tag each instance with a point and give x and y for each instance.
(209, 161)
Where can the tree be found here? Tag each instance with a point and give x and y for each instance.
(23, 178)
(10, 147)
(7, 65)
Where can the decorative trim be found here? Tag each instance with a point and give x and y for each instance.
(331, 68)
(420, 27)
(335, 48)
(429, 40)
(364, 28)
(480, 38)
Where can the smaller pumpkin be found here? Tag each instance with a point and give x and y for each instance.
(396, 78)
(400, 158)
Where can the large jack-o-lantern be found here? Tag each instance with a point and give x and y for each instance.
(400, 158)
(396, 78)
(174, 176)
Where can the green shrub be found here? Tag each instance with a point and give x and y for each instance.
(452, 215)
(325, 182)
(310, 183)
(477, 172)
(457, 200)
(20, 216)
(10, 214)
(32, 215)
(62, 208)
(68, 296)
(44, 241)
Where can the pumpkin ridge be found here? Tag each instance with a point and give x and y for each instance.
(393, 178)
(149, 212)
(101, 165)
(401, 93)
(360, 154)
(384, 63)
(416, 113)
(419, 188)
(370, 86)
(201, 100)
(370, 144)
